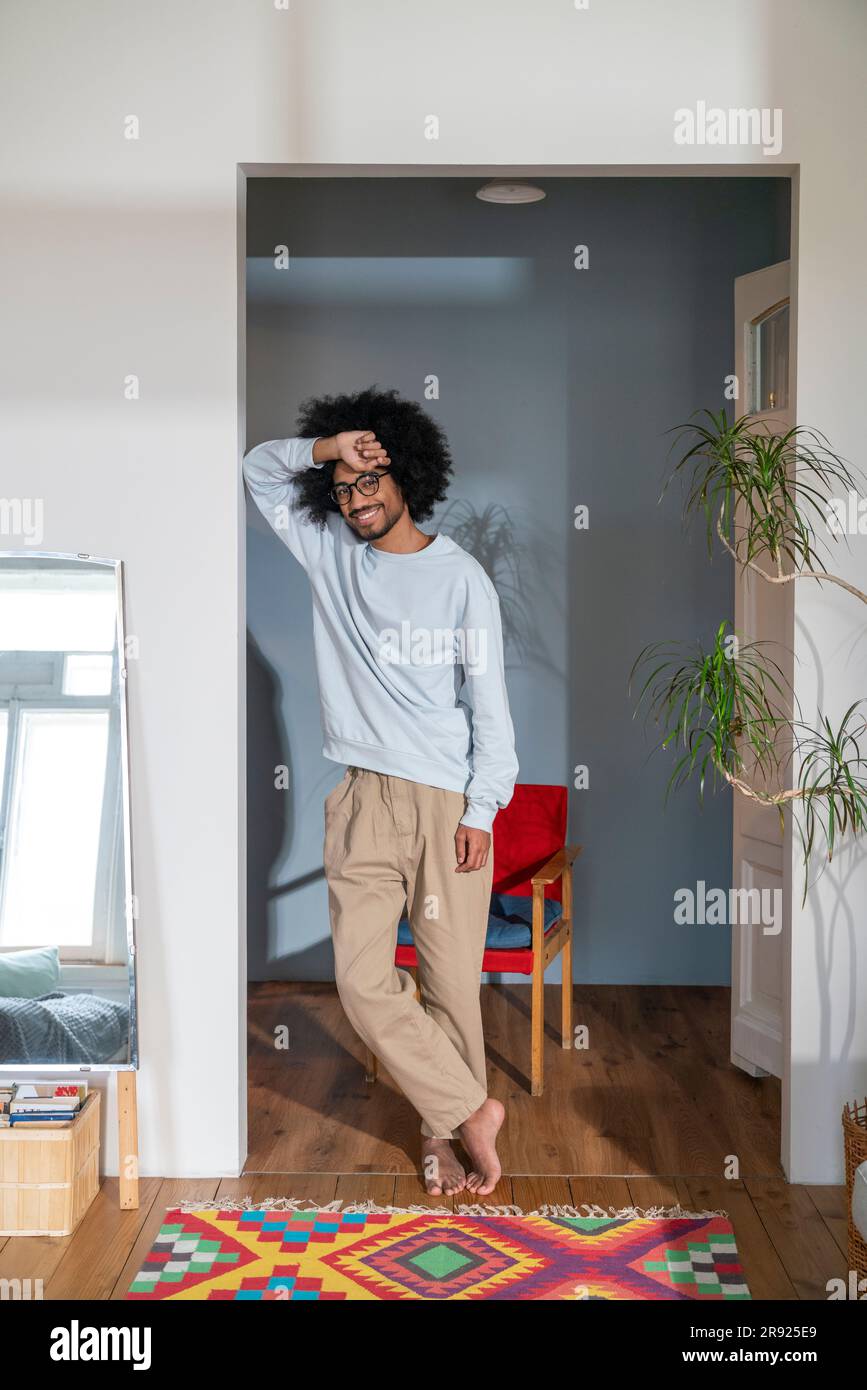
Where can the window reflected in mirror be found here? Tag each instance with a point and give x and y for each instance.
(67, 988)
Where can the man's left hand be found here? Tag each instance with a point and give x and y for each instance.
(472, 848)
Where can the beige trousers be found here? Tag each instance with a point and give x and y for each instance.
(390, 842)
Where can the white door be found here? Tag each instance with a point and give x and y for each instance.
(763, 612)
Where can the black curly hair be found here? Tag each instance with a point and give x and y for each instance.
(416, 445)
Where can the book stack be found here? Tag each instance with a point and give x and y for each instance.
(44, 1104)
(7, 1091)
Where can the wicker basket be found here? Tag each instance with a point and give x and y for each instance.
(49, 1177)
(855, 1140)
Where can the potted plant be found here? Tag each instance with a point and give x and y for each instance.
(727, 709)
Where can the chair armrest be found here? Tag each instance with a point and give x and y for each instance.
(556, 866)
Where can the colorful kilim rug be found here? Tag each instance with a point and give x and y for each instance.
(319, 1255)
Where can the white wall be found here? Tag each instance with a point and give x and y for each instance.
(121, 257)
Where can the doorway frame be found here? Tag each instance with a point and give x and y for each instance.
(245, 171)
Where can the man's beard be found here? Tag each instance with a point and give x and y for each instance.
(376, 529)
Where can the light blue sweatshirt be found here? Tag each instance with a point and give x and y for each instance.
(409, 648)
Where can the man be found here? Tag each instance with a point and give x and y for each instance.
(409, 660)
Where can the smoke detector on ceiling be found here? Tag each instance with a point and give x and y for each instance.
(509, 191)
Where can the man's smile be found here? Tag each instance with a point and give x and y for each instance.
(366, 514)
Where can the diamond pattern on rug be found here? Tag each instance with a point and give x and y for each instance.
(434, 1258)
(319, 1256)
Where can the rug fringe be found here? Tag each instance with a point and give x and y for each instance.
(584, 1209)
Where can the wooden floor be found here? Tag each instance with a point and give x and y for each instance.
(654, 1092)
(645, 1117)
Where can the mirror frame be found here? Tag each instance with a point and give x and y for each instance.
(129, 897)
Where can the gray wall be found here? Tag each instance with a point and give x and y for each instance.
(556, 388)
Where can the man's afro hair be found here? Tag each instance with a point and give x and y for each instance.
(416, 445)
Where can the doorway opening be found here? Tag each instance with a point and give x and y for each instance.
(557, 343)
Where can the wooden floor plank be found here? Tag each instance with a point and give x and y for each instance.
(741, 1111)
(801, 1238)
(98, 1250)
(830, 1203)
(647, 1193)
(33, 1257)
(532, 1193)
(355, 1187)
(600, 1192)
(606, 1123)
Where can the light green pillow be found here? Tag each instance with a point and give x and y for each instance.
(27, 974)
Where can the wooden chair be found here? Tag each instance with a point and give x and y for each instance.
(533, 868)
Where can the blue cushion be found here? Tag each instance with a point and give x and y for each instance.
(28, 974)
(510, 923)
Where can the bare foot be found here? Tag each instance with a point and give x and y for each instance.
(443, 1174)
(479, 1134)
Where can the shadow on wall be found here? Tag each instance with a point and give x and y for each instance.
(271, 824)
(270, 815)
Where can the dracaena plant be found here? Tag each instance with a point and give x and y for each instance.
(724, 710)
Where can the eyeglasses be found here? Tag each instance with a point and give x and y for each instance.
(367, 485)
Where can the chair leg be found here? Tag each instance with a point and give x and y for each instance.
(537, 1029)
(566, 966)
(566, 1038)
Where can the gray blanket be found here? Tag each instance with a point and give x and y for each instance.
(62, 1027)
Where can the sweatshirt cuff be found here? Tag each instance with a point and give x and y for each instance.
(478, 816)
(307, 454)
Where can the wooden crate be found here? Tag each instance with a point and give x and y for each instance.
(49, 1177)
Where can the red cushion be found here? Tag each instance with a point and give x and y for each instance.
(526, 834)
(517, 962)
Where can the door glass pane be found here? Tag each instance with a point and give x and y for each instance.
(50, 859)
(769, 357)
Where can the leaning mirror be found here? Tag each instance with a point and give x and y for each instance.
(67, 947)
